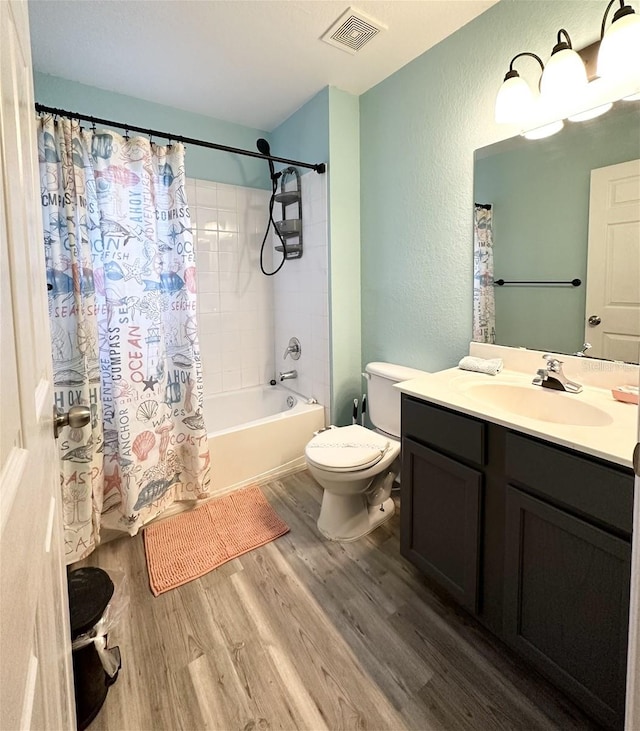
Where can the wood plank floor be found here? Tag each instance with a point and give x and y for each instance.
(308, 634)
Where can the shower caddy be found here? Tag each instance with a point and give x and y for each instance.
(290, 228)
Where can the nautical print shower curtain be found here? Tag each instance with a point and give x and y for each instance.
(484, 309)
(122, 288)
(71, 232)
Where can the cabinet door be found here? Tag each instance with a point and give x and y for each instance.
(567, 602)
(440, 520)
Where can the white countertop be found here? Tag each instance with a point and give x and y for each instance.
(613, 442)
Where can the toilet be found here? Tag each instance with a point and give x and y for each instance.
(357, 466)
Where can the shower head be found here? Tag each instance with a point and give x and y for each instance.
(265, 149)
(263, 146)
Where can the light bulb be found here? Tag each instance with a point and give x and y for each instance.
(514, 101)
(564, 77)
(546, 130)
(618, 56)
(591, 113)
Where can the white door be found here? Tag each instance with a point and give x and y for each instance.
(613, 267)
(36, 687)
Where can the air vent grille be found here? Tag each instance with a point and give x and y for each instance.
(352, 31)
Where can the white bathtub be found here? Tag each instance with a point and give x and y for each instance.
(256, 436)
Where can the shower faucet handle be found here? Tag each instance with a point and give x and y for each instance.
(294, 349)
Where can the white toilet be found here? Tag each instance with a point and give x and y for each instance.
(357, 466)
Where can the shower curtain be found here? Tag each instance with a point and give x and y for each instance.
(484, 309)
(122, 306)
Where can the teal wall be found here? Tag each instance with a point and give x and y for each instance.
(305, 134)
(326, 129)
(221, 167)
(418, 131)
(540, 196)
(344, 253)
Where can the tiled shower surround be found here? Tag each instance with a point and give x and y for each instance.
(300, 296)
(245, 318)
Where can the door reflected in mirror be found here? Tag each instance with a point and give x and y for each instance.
(542, 195)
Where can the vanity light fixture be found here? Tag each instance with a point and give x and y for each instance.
(515, 99)
(564, 81)
(618, 55)
(565, 88)
(565, 72)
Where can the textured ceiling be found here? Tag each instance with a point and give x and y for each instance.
(252, 62)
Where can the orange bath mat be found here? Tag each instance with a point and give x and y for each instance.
(190, 545)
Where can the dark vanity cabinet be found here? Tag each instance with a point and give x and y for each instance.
(533, 539)
(440, 533)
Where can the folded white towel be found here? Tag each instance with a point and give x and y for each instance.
(490, 366)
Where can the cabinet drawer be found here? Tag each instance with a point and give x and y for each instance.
(590, 488)
(449, 432)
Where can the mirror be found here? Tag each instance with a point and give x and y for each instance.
(539, 192)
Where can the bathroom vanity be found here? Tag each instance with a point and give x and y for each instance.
(527, 525)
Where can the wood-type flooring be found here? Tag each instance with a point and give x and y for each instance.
(305, 633)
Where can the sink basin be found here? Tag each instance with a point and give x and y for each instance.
(539, 403)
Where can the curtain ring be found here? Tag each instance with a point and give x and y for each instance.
(93, 126)
(126, 134)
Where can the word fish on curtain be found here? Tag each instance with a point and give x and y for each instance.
(484, 307)
(122, 302)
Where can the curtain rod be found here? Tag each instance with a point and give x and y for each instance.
(41, 108)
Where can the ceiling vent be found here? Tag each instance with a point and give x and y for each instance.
(353, 30)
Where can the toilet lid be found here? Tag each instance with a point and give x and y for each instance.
(347, 448)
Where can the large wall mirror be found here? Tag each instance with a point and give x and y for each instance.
(541, 195)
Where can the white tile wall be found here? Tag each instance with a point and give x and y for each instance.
(246, 318)
(235, 301)
(301, 300)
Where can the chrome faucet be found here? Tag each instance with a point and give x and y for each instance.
(585, 347)
(294, 349)
(553, 377)
(287, 375)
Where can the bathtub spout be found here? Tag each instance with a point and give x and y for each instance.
(287, 375)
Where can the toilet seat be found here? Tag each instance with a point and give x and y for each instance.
(346, 449)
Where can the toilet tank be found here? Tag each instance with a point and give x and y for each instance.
(383, 401)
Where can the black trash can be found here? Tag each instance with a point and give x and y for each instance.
(90, 591)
